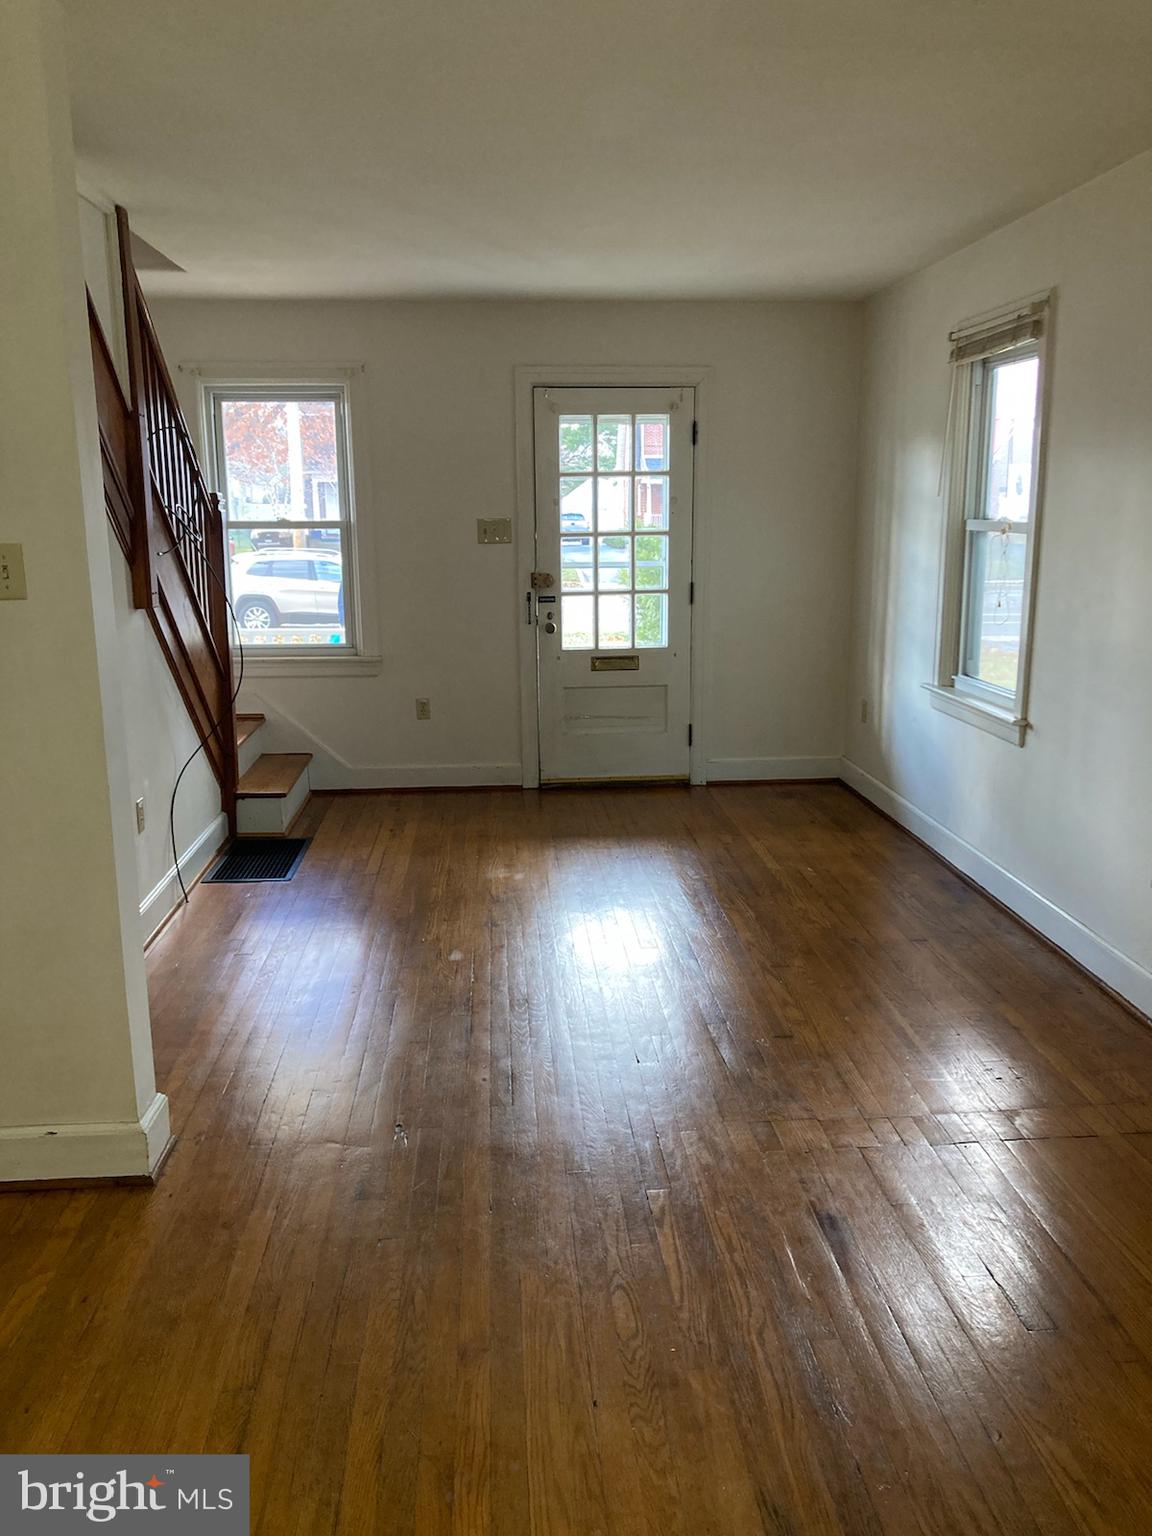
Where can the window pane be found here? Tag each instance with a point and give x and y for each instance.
(293, 596)
(615, 619)
(613, 504)
(280, 459)
(575, 565)
(614, 562)
(652, 501)
(652, 560)
(651, 619)
(652, 442)
(995, 598)
(575, 504)
(281, 467)
(1011, 439)
(577, 623)
(614, 442)
(575, 442)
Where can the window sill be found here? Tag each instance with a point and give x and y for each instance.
(998, 722)
(310, 666)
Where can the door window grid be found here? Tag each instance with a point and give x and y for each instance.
(614, 506)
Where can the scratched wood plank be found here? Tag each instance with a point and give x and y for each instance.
(636, 1162)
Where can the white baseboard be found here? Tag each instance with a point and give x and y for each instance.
(1116, 969)
(721, 768)
(416, 776)
(164, 895)
(106, 1150)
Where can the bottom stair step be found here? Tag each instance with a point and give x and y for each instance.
(272, 793)
(276, 773)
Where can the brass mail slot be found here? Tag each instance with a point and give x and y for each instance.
(615, 663)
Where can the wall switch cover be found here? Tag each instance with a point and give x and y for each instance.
(493, 530)
(13, 587)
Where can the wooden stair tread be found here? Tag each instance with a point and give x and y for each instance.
(273, 775)
(247, 725)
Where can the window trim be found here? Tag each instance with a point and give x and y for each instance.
(362, 655)
(952, 690)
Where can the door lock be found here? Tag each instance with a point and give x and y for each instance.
(546, 612)
(542, 580)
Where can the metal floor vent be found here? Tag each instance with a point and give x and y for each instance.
(259, 858)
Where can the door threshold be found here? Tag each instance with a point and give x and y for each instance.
(616, 783)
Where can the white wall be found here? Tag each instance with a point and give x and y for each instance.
(1061, 828)
(439, 386)
(99, 254)
(158, 735)
(97, 265)
(77, 1090)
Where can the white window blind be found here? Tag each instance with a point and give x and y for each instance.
(973, 342)
(1000, 333)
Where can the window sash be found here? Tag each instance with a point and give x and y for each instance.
(222, 394)
(977, 468)
(968, 662)
(342, 523)
(984, 391)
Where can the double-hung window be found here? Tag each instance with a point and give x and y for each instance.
(282, 466)
(994, 474)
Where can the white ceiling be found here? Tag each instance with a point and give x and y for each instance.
(593, 148)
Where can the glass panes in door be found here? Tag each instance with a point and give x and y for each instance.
(615, 511)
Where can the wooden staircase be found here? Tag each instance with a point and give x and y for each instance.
(171, 529)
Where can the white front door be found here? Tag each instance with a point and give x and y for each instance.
(612, 586)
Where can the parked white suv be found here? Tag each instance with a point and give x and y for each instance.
(286, 586)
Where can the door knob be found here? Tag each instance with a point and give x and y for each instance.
(550, 627)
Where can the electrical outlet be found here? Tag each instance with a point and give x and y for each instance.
(13, 587)
(863, 711)
(423, 709)
(140, 814)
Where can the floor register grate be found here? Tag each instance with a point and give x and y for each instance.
(259, 858)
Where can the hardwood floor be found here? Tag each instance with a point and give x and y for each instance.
(666, 1162)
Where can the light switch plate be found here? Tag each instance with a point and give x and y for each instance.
(493, 530)
(13, 587)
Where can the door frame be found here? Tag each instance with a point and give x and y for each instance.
(528, 378)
